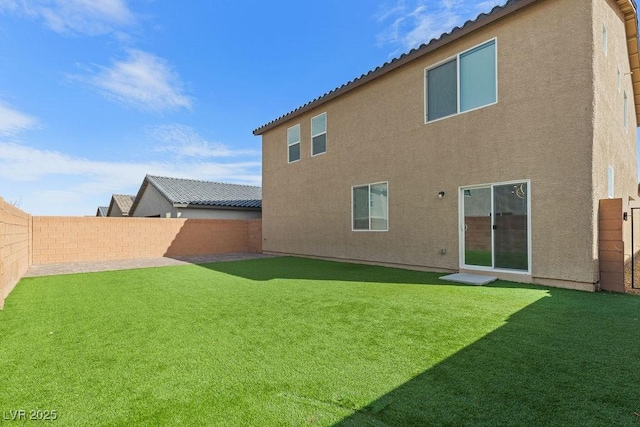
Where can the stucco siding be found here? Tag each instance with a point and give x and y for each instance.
(115, 211)
(613, 145)
(152, 203)
(207, 213)
(540, 130)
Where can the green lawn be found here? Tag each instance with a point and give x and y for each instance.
(289, 341)
(514, 260)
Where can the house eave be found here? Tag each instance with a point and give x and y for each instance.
(456, 33)
(628, 8)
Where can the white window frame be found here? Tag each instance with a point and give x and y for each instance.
(326, 125)
(610, 182)
(289, 144)
(369, 192)
(457, 58)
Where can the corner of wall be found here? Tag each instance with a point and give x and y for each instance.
(15, 247)
(2, 268)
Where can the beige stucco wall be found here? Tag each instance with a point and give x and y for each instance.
(115, 210)
(613, 144)
(206, 213)
(153, 203)
(541, 129)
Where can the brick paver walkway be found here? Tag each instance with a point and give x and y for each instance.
(88, 267)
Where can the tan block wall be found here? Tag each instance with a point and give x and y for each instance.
(15, 254)
(478, 234)
(254, 235)
(611, 245)
(78, 239)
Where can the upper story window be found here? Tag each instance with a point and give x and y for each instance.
(370, 207)
(293, 143)
(463, 83)
(605, 40)
(319, 134)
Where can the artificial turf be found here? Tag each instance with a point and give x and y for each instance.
(288, 341)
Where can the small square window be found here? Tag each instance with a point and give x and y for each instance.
(370, 207)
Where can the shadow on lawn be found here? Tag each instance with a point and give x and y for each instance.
(568, 359)
(313, 269)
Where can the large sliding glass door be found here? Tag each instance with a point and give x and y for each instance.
(495, 227)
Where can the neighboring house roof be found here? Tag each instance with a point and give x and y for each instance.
(124, 202)
(628, 8)
(102, 210)
(194, 193)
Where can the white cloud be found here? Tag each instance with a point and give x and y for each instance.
(415, 22)
(53, 183)
(184, 141)
(13, 121)
(141, 80)
(9, 5)
(22, 163)
(87, 17)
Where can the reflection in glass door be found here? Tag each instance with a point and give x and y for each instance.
(477, 227)
(511, 247)
(496, 226)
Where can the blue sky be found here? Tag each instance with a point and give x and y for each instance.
(94, 94)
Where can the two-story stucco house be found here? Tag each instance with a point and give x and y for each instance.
(485, 151)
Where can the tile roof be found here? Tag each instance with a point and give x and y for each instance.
(102, 210)
(124, 202)
(203, 193)
(480, 21)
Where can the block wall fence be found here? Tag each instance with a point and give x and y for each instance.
(27, 240)
(80, 239)
(615, 249)
(15, 247)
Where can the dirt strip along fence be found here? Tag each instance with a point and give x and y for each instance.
(27, 240)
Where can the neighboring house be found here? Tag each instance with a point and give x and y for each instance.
(120, 205)
(486, 150)
(187, 198)
(102, 210)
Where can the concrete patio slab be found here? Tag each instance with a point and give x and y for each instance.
(469, 279)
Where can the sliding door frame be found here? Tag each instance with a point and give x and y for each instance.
(462, 231)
